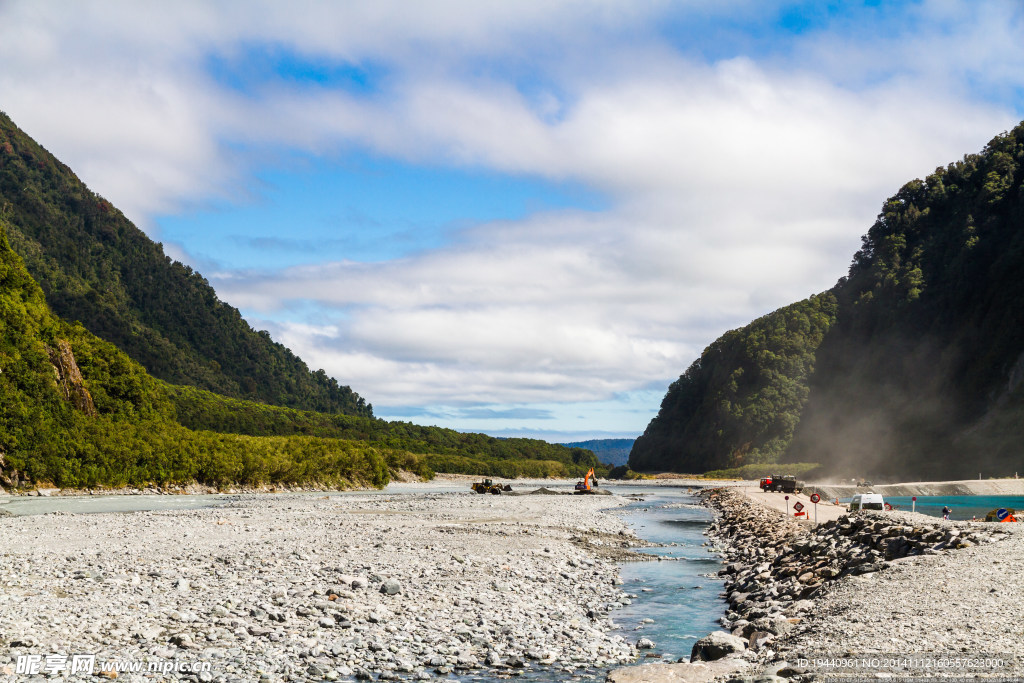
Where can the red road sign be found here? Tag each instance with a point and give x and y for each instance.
(798, 506)
(815, 497)
(914, 498)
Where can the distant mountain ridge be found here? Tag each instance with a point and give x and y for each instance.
(609, 451)
(919, 371)
(96, 267)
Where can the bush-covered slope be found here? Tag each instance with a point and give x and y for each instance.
(96, 267)
(740, 401)
(920, 367)
(75, 411)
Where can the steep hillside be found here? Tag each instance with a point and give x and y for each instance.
(96, 267)
(75, 411)
(740, 401)
(920, 364)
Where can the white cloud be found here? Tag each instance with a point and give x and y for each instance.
(735, 186)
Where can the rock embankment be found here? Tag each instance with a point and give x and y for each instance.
(297, 588)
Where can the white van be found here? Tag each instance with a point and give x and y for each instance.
(867, 501)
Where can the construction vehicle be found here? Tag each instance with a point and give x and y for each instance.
(781, 483)
(588, 483)
(488, 486)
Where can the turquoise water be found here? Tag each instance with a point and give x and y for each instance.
(681, 593)
(964, 507)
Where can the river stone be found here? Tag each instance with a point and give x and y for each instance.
(716, 645)
(390, 587)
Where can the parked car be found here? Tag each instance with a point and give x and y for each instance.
(867, 501)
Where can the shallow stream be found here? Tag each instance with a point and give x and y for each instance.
(677, 598)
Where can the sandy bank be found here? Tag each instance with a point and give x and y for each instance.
(827, 510)
(949, 607)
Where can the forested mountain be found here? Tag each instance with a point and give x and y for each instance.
(740, 401)
(76, 411)
(96, 267)
(444, 450)
(920, 374)
(609, 451)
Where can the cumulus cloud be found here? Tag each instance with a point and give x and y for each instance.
(735, 185)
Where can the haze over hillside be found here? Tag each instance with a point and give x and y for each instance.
(911, 366)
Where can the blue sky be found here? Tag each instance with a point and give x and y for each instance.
(519, 218)
(306, 209)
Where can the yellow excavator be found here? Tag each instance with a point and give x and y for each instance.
(587, 484)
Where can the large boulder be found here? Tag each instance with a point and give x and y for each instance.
(716, 645)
